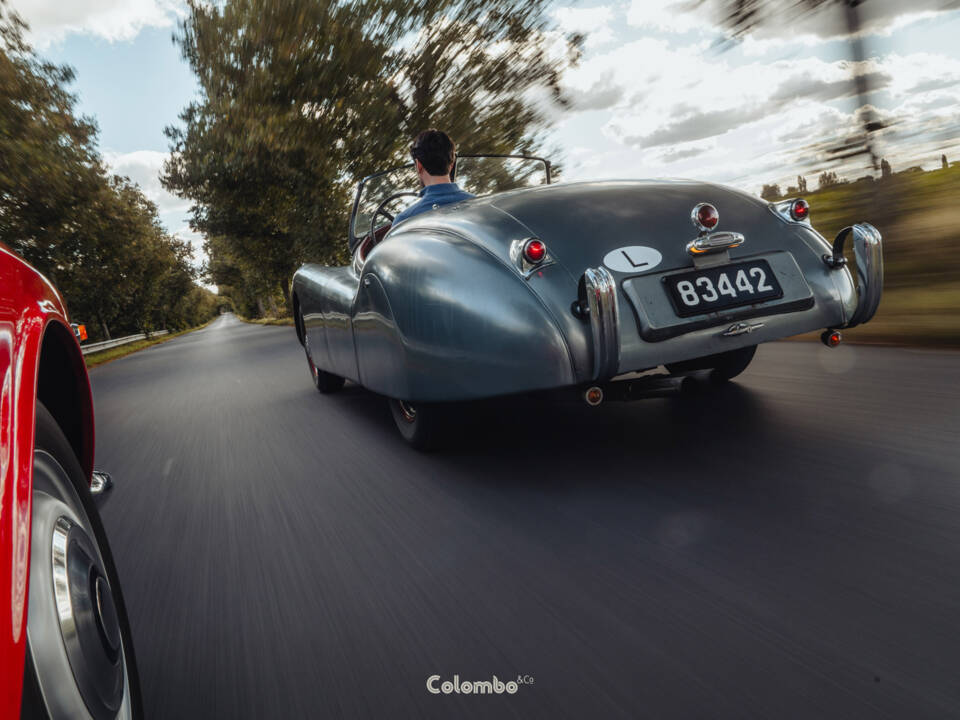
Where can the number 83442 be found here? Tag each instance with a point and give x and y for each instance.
(725, 286)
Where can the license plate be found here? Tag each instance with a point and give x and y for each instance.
(724, 286)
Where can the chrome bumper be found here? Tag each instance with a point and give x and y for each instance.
(604, 315)
(868, 251)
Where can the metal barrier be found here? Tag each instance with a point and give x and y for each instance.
(117, 342)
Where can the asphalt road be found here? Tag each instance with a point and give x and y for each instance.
(787, 547)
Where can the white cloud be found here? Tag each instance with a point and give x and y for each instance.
(114, 20)
(675, 16)
(593, 22)
(667, 109)
(144, 167)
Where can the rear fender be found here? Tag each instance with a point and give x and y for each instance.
(439, 318)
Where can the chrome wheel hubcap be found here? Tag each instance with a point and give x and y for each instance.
(408, 411)
(72, 622)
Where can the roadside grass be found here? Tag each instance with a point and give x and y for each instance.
(914, 211)
(104, 356)
(269, 321)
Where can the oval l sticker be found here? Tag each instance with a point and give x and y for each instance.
(634, 259)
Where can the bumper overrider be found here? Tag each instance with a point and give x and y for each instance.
(603, 312)
(868, 251)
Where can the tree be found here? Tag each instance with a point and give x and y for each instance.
(770, 192)
(885, 171)
(801, 183)
(96, 237)
(943, 162)
(300, 98)
(829, 179)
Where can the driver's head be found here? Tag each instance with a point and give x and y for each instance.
(433, 153)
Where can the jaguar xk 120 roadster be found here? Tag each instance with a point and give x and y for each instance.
(570, 286)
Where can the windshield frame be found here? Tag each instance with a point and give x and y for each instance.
(354, 240)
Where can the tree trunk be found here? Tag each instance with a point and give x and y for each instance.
(103, 326)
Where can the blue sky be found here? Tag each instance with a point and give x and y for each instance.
(651, 98)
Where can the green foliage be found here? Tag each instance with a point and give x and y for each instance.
(301, 98)
(96, 237)
(770, 192)
(829, 178)
(921, 250)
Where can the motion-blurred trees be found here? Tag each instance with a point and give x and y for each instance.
(770, 192)
(828, 178)
(96, 237)
(300, 98)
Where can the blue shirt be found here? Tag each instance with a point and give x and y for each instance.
(431, 196)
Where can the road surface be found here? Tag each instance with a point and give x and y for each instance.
(787, 547)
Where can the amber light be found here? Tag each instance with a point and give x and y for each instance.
(534, 251)
(800, 210)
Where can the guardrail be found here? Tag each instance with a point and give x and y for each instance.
(117, 342)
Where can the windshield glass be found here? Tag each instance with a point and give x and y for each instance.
(477, 175)
(487, 175)
(378, 189)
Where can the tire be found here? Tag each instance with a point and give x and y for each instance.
(82, 665)
(422, 425)
(324, 381)
(723, 366)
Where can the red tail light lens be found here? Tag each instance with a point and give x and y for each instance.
(705, 216)
(800, 209)
(534, 251)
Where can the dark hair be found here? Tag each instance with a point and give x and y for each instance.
(435, 150)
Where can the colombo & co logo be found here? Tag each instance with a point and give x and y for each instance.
(494, 686)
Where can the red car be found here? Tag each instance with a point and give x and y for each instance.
(65, 650)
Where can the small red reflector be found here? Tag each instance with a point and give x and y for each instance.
(593, 396)
(831, 338)
(534, 251)
(707, 216)
(800, 210)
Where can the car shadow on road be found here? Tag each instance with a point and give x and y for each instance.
(716, 431)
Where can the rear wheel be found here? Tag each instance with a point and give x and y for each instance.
(324, 381)
(422, 425)
(80, 661)
(722, 366)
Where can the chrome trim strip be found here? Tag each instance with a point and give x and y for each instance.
(713, 242)
(604, 313)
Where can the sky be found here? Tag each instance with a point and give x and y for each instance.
(652, 96)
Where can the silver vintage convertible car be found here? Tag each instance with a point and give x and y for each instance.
(568, 287)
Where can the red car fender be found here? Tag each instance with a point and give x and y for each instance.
(33, 329)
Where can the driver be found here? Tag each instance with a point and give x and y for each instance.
(434, 154)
